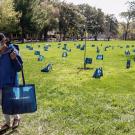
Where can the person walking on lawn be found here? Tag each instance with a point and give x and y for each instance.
(10, 64)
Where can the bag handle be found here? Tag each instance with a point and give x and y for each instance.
(22, 71)
(23, 78)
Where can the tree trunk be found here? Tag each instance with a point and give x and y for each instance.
(77, 37)
(64, 37)
(95, 37)
(108, 38)
(11, 36)
(40, 35)
(81, 38)
(126, 34)
(22, 34)
(60, 37)
(45, 34)
(82, 35)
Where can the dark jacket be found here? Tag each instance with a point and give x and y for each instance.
(9, 68)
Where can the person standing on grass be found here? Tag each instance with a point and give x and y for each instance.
(10, 64)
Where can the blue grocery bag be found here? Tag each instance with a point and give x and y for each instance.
(128, 64)
(37, 52)
(88, 60)
(64, 54)
(100, 57)
(41, 58)
(19, 99)
(98, 73)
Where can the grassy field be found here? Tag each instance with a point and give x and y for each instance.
(71, 102)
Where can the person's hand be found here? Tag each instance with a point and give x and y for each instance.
(13, 55)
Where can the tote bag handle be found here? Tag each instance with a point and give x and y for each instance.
(23, 78)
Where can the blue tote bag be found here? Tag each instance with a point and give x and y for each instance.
(19, 99)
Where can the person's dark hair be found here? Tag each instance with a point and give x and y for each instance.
(6, 39)
(2, 36)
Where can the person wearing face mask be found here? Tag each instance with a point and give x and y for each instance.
(10, 64)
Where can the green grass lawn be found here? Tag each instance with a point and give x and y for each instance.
(70, 101)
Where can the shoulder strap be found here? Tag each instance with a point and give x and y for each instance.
(23, 78)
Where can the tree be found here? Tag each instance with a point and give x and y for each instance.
(132, 8)
(70, 20)
(128, 18)
(98, 26)
(25, 23)
(45, 16)
(94, 19)
(111, 26)
(8, 16)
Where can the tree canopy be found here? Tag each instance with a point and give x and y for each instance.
(37, 17)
